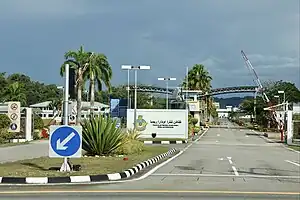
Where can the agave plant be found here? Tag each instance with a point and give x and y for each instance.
(100, 136)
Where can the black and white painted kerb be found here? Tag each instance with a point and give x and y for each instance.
(86, 179)
(166, 142)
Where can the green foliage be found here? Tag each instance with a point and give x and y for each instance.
(4, 121)
(194, 121)
(38, 122)
(198, 79)
(132, 134)
(196, 129)
(131, 143)
(144, 99)
(292, 93)
(21, 88)
(4, 125)
(296, 117)
(130, 146)
(100, 136)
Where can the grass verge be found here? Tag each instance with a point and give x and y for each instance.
(161, 139)
(297, 148)
(11, 144)
(39, 167)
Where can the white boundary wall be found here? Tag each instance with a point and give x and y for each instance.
(164, 123)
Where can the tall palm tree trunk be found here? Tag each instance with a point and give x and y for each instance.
(92, 92)
(79, 97)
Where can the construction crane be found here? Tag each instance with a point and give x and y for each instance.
(260, 87)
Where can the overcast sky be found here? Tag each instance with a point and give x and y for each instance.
(166, 34)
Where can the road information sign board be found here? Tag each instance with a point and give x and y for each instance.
(14, 114)
(65, 141)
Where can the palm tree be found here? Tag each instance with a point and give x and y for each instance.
(78, 60)
(198, 79)
(15, 92)
(98, 71)
(56, 106)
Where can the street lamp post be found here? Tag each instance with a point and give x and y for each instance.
(167, 79)
(135, 68)
(283, 92)
(278, 97)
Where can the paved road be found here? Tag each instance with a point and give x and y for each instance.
(223, 160)
(148, 196)
(34, 149)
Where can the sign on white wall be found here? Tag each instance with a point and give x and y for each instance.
(14, 113)
(160, 123)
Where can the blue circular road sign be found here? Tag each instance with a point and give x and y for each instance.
(13, 126)
(65, 141)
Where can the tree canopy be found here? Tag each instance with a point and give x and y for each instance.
(292, 95)
(19, 87)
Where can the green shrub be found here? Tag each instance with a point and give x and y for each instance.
(100, 136)
(196, 129)
(38, 122)
(130, 146)
(194, 121)
(4, 121)
(132, 134)
(5, 135)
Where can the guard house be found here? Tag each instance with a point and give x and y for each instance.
(196, 107)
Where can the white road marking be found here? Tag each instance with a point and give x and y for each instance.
(229, 160)
(235, 171)
(220, 158)
(294, 163)
(246, 135)
(218, 135)
(228, 175)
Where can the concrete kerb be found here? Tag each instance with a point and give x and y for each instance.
(85, 179)
(271, 141)
(100, 179)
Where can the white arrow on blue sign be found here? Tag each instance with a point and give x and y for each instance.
(65, 141)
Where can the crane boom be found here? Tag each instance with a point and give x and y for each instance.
(257, 81)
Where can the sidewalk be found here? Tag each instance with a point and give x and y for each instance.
(34, 149)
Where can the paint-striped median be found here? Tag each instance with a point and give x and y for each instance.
(88, 178)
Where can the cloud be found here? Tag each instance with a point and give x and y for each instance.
(168, 35)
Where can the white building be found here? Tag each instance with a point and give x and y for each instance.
(46, 112)
(223, 113)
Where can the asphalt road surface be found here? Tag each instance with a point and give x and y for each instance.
(226, 163)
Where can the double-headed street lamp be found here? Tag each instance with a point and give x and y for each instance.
(283, 92)
(135, 68)
(167, 79)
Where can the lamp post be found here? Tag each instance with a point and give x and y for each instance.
(283, 92)
(135, 68)
(278, 97)
(167, 79)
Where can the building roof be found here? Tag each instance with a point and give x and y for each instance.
(83, 104)
(41, 105)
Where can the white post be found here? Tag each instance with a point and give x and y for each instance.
(65, 166)
(128, 90)
(187, 87)
(289, 127)
(167, 98)
(28, 124)
(135, 98)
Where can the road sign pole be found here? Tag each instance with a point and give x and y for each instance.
(65, 166)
